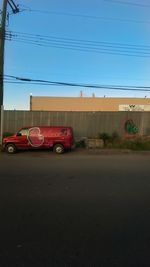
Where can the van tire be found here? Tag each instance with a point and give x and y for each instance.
(11, 149)
(59, 149)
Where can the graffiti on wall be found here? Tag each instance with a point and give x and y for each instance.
(130, 127)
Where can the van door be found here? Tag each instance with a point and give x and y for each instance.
(22, 138)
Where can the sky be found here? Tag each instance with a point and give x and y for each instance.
(102, 42)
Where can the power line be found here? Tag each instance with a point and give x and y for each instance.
(81, 45)
(87, 16)
(23, 80)
(127, 3)
(49, 37)
(86, 45)
(13, 6)
(145, 55)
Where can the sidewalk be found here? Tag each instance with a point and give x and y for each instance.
(99, 151)
(109, 151)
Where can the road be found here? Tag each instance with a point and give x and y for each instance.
(76, 209)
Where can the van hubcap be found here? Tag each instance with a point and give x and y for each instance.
(10, 149)
(58, 149)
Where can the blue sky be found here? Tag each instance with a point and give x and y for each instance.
(90, 20)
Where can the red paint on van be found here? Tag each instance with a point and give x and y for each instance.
(57, 137)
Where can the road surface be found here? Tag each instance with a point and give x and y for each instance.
(76, 209)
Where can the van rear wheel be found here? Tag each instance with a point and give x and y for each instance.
(59, 149)
(10, 148)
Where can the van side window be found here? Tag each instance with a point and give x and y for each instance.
(24, 132)
(63, 132)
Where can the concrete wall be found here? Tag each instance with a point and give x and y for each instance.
(85, 124)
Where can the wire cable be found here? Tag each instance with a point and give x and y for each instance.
(49, 38)
(80, 45)
(128, 3)
(23, 80)
(86, 16)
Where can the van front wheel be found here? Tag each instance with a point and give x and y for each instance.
(59, 149)
(10, 148)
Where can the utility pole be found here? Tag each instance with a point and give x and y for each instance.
(2, 42)
(15, 10)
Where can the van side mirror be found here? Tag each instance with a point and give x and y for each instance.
(18, 134)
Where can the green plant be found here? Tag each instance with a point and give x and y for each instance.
(80, 143)
(6, 134)
(105, 137)
(137, 144)
(115, 138)
(141, 145)
(115, 141)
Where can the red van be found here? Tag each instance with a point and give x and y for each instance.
(57, 138)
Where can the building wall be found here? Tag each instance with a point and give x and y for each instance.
(89, 104)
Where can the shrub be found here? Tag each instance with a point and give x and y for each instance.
(138, 144)
(109, 140)
(115, 141)
(6, 134)
(80, 143)
(105, 137)
(115, 137)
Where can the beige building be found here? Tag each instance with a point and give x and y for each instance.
(88, 104)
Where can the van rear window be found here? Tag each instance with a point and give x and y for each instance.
(63, 131)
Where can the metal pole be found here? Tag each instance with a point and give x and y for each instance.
(30, 102)
(2, 43)
(2, 124)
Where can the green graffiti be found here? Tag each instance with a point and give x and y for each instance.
(130, 127)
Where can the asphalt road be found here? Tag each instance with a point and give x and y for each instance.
(76, 209)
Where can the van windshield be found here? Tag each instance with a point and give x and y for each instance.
(23, 132)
